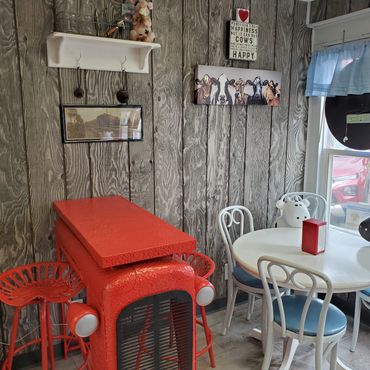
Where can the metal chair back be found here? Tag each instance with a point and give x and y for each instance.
(234, 221)
(278, 272)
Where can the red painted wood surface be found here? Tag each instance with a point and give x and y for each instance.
(116, 231)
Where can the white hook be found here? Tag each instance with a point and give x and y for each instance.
(78, 61)
(123, 61)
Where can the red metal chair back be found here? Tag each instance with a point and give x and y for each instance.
(203, 265)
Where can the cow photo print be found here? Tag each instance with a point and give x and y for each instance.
(236, 86)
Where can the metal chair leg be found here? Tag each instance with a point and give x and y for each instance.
(318, 356)
(290, 347)
(251, 301)
(231, 296)
(333, 357)
(229, 310)
(269, 335)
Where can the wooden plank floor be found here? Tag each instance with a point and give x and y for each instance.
(236, 351)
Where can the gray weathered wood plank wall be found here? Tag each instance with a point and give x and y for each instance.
(193, 161)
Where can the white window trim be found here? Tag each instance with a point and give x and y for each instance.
(327, 33)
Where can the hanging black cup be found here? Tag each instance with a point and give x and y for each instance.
(79, 92)
(122, 94)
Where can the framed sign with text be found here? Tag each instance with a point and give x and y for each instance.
(243, 41)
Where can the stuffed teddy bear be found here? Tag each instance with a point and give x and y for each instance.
(141, 22)
(293, 213)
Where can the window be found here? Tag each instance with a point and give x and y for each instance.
(347, 186)
(340, 174)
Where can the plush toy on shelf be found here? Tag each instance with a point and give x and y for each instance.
(142, 23)
(293, 213)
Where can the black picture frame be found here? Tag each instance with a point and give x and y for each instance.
(101, 123)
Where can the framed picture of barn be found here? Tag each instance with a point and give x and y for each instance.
(89, 123)
(236, 86)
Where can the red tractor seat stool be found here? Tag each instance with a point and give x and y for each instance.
(204, 267)
(39, 283)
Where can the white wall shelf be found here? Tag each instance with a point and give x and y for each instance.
(67, 50)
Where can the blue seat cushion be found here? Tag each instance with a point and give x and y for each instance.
(366, 292)
(247, 279)
(336, 320)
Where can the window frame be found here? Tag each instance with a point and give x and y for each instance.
(318, 159)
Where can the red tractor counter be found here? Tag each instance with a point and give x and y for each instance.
(144, 297)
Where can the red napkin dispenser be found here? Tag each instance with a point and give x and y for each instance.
(314, 236)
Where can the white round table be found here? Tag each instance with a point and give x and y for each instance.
(346, 261)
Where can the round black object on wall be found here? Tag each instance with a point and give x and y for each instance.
(364, 229)
(336, 110)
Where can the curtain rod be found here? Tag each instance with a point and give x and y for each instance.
(337, 43)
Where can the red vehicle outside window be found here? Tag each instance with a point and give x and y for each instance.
(350, 179)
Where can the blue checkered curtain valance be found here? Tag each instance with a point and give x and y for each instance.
(340, 70)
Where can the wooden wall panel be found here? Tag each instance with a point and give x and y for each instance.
(195, 51)
(76, 155)
(335, 8)
(298, 102)
(141, 153)
(237, 134)
(167, 111)
(259, 119)
(15, 223)
(218, 143)
(280, 115)
(40, 92)
(359, 5)
(109, 160)
(318, 11)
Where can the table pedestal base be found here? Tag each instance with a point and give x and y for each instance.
(256, 334)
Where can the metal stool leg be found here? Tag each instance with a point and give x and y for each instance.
(85, 354)
(44, 335)
(63, 315)
(209, 338)
(50, 337)
(63, 307)
(13, 338)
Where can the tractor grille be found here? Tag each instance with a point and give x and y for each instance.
(156, 333)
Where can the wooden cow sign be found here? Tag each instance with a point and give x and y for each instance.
(236, 86)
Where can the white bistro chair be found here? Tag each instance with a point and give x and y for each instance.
(318, 204)
(362, 297)
(233, 222)
(301, 317)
